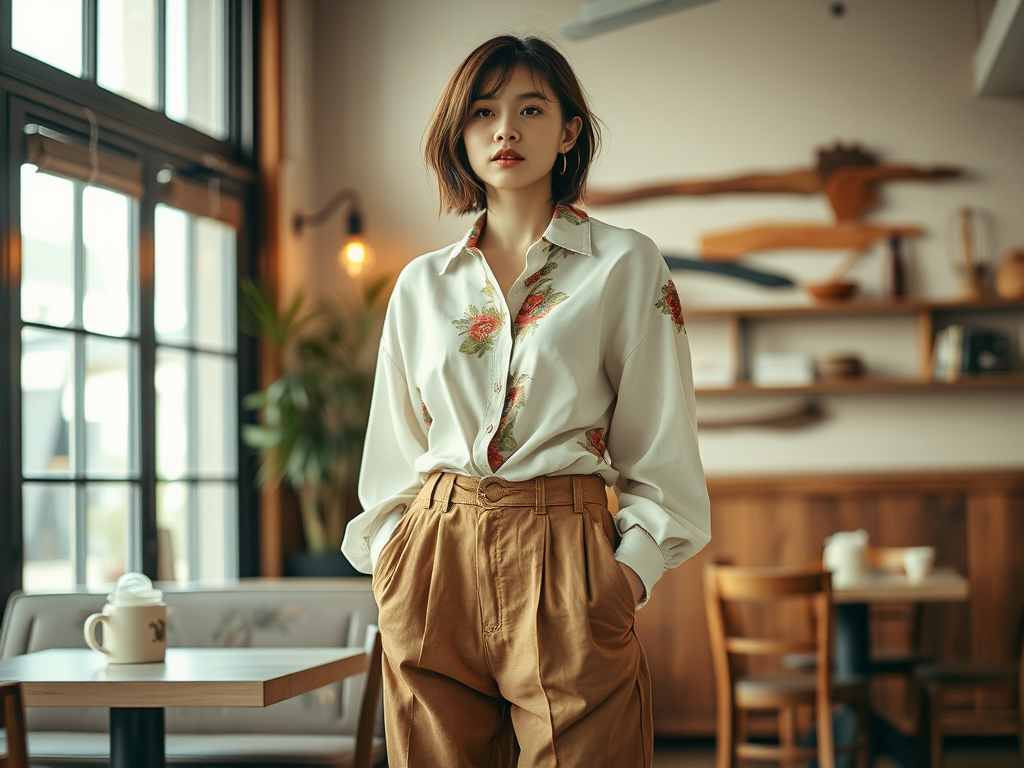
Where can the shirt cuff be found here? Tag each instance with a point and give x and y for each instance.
(641, 552)
(382, 535)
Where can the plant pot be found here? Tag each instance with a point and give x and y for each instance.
(320, 565)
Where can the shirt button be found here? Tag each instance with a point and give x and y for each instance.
(490, 428)
(497, 387)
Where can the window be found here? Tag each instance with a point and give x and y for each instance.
(79, 381)
(168, 55)
(131, 168)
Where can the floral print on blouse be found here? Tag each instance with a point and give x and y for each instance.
(582, 367)
(504, 444)
(669, 305)
(595, 443)
(427, 421)
(480, 324)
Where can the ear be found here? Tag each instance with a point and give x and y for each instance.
(570, 133)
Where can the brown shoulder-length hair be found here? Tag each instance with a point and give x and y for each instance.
(445, 150)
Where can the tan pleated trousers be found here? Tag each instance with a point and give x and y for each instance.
(507, 627)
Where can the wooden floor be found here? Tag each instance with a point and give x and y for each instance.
(1002, 753)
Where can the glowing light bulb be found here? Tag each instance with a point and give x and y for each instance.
(355, 257)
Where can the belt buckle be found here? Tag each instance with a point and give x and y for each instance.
(492, 489)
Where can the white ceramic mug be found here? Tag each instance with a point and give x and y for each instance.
(918, 562)
(134, 623)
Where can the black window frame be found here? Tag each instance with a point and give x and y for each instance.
(34, 92)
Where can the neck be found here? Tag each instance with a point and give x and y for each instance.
(517, 218)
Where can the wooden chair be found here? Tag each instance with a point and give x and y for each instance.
(371, 701)
(988, 689)
(12, 718)
(740, 692)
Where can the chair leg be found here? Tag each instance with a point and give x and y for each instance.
(787, 736)
(864, 731)
(725, 739)
(935, 727)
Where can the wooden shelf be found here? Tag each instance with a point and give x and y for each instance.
(888, 307)
(1011, 380)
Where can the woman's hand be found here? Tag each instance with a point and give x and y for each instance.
(634, 582)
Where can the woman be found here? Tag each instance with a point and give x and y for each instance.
(521, 371)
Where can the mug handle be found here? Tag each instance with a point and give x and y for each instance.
(90, 632)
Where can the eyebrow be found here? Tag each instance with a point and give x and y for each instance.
(520, 97)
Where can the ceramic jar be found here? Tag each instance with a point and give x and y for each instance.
(1010, 275)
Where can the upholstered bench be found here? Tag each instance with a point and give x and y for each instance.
(316, 728)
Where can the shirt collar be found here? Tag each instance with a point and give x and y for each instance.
(569, 229)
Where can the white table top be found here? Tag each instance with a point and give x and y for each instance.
(189, 677)
(943, 585)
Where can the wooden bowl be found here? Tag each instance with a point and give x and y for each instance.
(839, 291)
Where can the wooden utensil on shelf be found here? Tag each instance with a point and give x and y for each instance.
(971, 266)
(735, 243)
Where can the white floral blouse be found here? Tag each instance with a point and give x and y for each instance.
(583, 369)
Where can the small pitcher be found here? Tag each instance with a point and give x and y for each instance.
(846, 556)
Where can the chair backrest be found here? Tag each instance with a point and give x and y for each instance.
(12, 719)
(726, 586)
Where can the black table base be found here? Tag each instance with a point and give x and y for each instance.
(137, 738)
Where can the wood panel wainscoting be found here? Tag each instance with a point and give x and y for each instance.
(975, 520)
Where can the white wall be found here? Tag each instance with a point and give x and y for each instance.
(730, 86)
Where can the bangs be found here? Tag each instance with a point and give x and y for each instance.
(497, 71)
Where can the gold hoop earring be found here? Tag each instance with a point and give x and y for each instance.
(563, 165)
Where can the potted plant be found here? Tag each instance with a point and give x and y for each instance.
(312, 420)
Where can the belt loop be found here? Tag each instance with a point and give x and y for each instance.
(430, 486)
(541, 501)
(577, 495)
(446, 483)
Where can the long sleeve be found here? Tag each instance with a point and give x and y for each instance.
(664, 515)
(388, 480)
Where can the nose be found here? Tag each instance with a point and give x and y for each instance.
(506, 131)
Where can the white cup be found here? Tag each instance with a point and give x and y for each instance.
(134, 623)
(918, 562)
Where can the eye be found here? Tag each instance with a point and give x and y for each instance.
(483, 112)
(530, 111)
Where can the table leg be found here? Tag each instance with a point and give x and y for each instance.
(853, 638)
(136, 738)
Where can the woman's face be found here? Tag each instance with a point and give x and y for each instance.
(513, 139)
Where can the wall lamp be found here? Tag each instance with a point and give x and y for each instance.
(355, 255)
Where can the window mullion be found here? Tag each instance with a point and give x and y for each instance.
(90, 32)
(161, 55)
(78, 434)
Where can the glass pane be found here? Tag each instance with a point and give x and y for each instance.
(109, 406)
(216, 403)
(47, 248)
(47, 401)
(215, 284)
(218, 531)
(35, 33)
(48, 521)
(172, 517)
(170, 281)
(107, 507)
(196, 65)
(126, 51)
(173, 392)
(106, 229)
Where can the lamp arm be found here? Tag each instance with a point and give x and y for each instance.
(348, 195)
